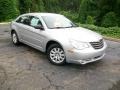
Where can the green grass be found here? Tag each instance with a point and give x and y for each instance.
(7, 21)
(113, 32)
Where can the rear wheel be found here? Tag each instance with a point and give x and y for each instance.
(56, 54)
(15, 39)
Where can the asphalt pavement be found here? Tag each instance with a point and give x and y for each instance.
(25, 68)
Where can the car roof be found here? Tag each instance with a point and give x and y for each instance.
(42, 14)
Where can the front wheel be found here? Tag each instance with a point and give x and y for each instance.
(56, 54)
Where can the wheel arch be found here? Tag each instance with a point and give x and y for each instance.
(12, 31)
(52, 42)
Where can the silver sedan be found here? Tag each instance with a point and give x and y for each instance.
(58, 37)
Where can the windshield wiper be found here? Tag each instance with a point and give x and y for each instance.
(63, 27)
(70, 26)
(57, 27)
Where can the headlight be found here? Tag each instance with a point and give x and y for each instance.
(79, 45)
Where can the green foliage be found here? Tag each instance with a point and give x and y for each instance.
(109, 20)
(105, 6)
(61, 5)
(97, 9)
(68, 5)
(90, 20)
(24, 6)
(110, 32)
(37, 6)
(41, 7)
(81, 11)
(70, 15)
(87, 7)
(8, 10)
(27, 6)
(51, 5)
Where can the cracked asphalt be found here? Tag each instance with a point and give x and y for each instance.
(25, 68)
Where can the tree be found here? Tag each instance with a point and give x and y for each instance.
(37, 6)
(109, 20)
(104, 7)
(87, 8)
(24, 6)
(40, 5)
(83, 11)
(52, 5)
(8, 10)
(69, 5)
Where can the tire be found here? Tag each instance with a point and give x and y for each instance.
(56, 55)
(15, 39)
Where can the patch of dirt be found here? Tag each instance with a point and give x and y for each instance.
(116, 86)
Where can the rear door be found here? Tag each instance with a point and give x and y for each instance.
(23, 23)
(26, 27)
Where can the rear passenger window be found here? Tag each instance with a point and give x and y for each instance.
(24, 20)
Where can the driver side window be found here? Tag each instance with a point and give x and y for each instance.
(35, 22)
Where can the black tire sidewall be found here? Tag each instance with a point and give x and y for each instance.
(17, 38)
(48, 54)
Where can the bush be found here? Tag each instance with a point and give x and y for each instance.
(90, 20)
(70, 15)
(110, 32)
(109, 20)
(118, 21)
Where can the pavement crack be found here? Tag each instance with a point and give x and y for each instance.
(3, 76)
(52, 86)
(46, 76)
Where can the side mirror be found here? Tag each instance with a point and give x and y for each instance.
(39, 27)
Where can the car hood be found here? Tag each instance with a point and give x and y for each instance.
(79, 34)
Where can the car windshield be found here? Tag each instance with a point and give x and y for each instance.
(57, 21)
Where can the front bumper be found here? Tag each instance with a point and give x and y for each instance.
(85, 56)
(88, 60)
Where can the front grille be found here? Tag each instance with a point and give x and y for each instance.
(97, 45)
